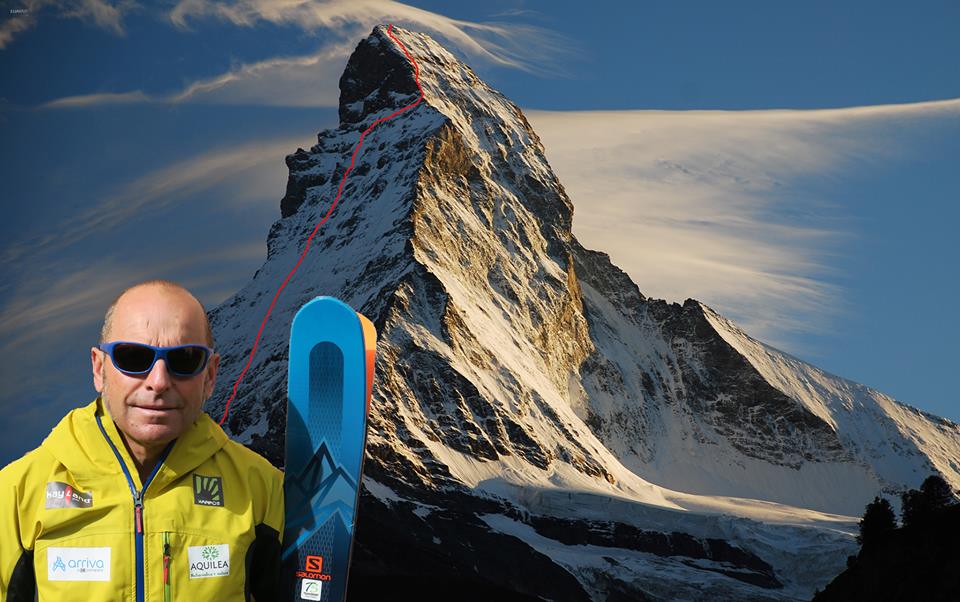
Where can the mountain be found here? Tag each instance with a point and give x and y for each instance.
(538, 425)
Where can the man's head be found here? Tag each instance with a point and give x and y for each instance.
(154, 408)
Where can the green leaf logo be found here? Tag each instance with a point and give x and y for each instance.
(207, 491)
(210, 553)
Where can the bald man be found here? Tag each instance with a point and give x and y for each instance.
(140, 495)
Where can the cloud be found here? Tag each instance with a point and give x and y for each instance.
(86, 100)
(302, 81)
(103, 14)
(245, 173)
(71, 294)
(49, 306)
(517, 46)
(710, 204)
(310, 80)
(299, 81)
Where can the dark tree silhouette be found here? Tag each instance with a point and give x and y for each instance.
(878, 521)
(911, 507)
(918, 504)
(937, 491)
(915, 562)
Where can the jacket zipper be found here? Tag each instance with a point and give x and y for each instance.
(137, 506)
(166, 567)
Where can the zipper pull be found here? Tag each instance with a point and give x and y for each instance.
(138, 511)
(166, 567)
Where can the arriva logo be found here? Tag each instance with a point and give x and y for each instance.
(78, 564)
(86, 564)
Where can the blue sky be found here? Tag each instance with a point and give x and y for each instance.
(147, 140)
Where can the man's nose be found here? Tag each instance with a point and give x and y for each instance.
(158, 379)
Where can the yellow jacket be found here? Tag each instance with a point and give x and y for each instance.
(208, 526)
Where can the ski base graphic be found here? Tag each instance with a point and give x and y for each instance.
(330, 376)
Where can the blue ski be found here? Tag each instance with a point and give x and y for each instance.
(329, 381)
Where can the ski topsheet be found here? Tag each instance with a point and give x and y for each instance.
(330, 379)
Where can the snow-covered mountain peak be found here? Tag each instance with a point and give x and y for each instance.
(453, 235)
(900, 443)
(526, 389)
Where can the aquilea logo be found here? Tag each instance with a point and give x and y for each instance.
(209, 561)
(207, 491)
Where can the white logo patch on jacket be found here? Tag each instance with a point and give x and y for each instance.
(209, 561)
(78, 564)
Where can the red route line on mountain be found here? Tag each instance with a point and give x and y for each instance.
(306, 247)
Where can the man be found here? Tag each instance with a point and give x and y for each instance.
(140, 495)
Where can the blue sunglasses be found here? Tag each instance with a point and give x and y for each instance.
(134, 359)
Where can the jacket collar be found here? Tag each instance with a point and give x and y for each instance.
(80, 446)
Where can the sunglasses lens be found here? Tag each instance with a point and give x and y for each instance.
(132, 358)
(186, 361)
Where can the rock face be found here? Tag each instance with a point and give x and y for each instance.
(538, 425)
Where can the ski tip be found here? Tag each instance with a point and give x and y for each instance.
(325, 303)
(325, 317)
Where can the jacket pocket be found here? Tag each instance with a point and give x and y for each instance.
(93, 566)
(199, 566)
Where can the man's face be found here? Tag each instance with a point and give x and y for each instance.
(154, 408)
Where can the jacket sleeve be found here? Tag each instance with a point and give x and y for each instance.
(263, 556)
(17, 579)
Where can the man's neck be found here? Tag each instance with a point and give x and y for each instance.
(145, 457)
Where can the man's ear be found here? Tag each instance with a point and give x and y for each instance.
(211, 376)
(96, 364)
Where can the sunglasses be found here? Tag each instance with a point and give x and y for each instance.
(135, 359)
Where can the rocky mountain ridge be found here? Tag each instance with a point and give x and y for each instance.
(530, 400)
